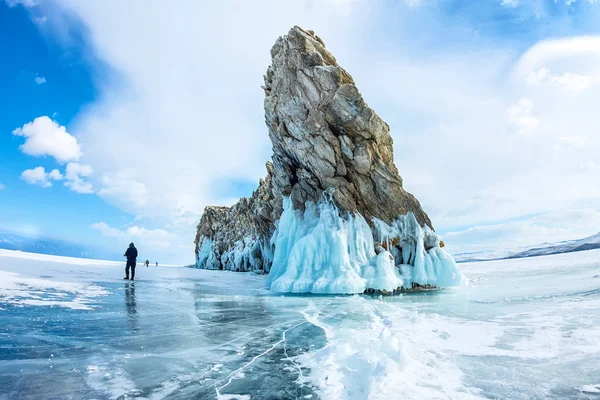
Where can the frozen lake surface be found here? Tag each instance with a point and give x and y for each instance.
(73, 329)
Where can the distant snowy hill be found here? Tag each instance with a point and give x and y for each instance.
(588, 243)
(11, 241)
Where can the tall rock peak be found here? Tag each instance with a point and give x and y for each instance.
(325, 139)
(325, 136)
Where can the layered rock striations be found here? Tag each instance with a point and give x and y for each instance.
(328, 147)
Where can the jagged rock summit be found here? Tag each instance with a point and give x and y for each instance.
(329, 150)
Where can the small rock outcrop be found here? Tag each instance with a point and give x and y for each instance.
(325, 139)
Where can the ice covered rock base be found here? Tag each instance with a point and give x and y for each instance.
(320, 251)
(331, 215)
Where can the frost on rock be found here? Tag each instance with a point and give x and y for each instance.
(331, 215)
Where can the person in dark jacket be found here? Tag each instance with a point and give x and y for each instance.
(131, 255)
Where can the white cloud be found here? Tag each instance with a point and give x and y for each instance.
(346, 6)
(164, 137)
(39, 176)
(574, 141)
(24, 3)
(521, 118)
(75, 170)
(164, 148)
(571, 62)
(55, 175)
(45, 137)
(414, 3)
(587, 165)
(509, 3)
(106, 230)
(40, 80)
(124, 191)
(74, 177)
(569, 81)
(567, 145)
(153, 237)
(75, 174)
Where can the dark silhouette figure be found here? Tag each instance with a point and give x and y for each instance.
(157, 263)
(131, 255)
(147, 263)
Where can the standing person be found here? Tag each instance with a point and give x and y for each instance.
(157, 263)
(147, 263)
(131, 255)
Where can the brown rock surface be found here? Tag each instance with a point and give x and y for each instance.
(325, 137)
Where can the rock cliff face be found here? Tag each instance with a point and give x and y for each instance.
(325, 138)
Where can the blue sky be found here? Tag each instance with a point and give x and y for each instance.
(68, 86)
(157, 112)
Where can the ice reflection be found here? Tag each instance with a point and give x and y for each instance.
(131, 306)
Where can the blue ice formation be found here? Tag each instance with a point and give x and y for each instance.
(319, 251)
(248, 254)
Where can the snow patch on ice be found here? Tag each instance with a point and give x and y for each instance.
(319, 251)
(21, 290)
(107, 378)
(590, 388)
(373, 353)
(233, 397)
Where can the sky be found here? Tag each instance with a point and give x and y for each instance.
(121, 121)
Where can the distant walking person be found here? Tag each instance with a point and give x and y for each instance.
(131, 255)
(157, 263)
(147, 263)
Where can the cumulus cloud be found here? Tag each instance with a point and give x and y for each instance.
(568, 80)
(75, 174)
(45, 137)
(163, 148)
(74, 177)
(153, 237)
(414, 3)
(55, 175)
(509, 3)
(569, 62)
(38, 176)
(40, 80)
(521, 118)
(24, 3)
(124, 191)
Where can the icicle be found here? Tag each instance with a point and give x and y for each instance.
(319, 251)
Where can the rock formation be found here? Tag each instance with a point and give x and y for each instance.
(325, 139)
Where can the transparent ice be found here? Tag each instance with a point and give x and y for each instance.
(522, 329)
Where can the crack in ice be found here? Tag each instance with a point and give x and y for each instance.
(233, 375)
